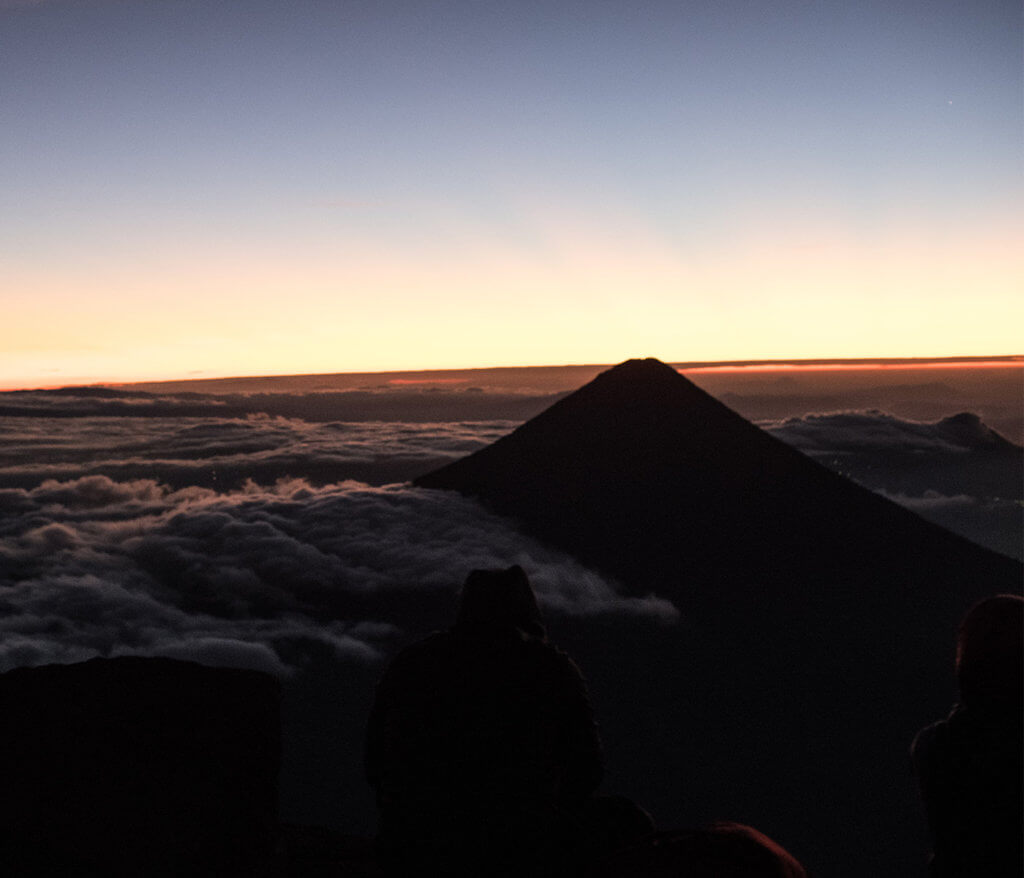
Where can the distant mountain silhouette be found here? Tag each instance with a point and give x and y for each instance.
(818, 617)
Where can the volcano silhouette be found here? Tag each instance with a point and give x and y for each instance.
(646, 477)
(817, 618)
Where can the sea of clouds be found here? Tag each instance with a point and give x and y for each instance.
(254, 577)
(211, 529)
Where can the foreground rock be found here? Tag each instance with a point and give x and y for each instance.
(138, 766)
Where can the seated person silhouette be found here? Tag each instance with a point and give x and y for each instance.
(482, 747)
(970, 765)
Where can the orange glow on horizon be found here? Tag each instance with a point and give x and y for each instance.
(704, 368)
(1012, 363)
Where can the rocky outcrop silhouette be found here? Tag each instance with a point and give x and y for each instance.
(138, 766)
(818, 619)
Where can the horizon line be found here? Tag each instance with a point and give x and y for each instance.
(756, 365)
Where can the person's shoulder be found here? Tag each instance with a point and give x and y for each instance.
(924, 741)
(539, 646)
(944, 742)
(926, 736)
(932, 737)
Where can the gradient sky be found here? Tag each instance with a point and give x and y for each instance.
(254, 187)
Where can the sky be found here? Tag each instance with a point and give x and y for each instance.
(198, 189)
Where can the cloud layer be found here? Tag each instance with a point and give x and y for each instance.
(260, 577)
(377, 403)
(225, 452)
(860, 431)
(260, 540)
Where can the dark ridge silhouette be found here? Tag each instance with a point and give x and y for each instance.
(818, 617)
(90, 391)
(138, 766)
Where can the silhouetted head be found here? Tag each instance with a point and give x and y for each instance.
(990, 655)
(499, 600)
(720, 850)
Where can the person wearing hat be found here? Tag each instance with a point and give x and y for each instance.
(481, 746)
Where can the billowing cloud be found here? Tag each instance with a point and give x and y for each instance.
(258, 577)
(845, 432)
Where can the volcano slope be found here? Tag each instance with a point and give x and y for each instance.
(817, 618)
